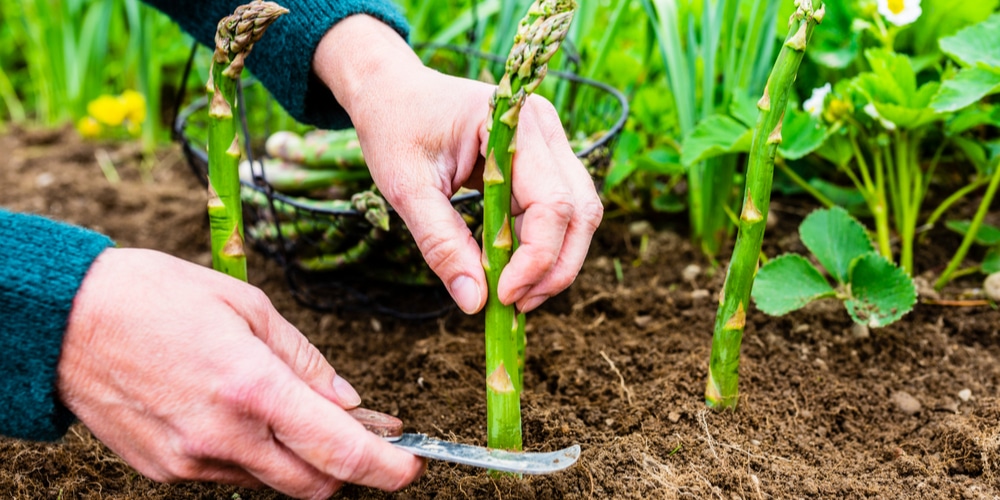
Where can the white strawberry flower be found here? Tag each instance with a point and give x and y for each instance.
(900, 12)
(872, 112)
(814, 104)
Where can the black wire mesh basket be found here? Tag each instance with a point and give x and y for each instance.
(334, 253)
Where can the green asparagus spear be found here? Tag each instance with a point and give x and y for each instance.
(722, 390)
(233, 41)
(321, 149)
(537, 39)
(289, 177)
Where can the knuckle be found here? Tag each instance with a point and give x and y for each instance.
(244, 392)
(592, 213)
(561, 204)
(437, 249)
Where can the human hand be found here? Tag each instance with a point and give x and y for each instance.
(424, 135)
(189, 374)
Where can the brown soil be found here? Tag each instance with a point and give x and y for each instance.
(618, 367)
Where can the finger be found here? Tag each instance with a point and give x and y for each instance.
(549, 184)
(279, 468)
(447, 245)
(325, 436)
(288, 343)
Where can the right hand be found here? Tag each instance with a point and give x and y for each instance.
(189, 374)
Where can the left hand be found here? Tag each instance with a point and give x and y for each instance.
(424, 136)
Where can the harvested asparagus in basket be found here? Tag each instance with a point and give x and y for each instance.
(319, 149)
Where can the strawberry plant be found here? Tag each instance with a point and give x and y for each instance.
(874, 290)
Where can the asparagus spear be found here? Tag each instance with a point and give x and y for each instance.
(537, 39)
(233, 41)
(321, 149)
(722, 390)
(288, 177)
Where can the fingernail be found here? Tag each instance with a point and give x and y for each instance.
(345, 392)
(533, 302)
(466, 293)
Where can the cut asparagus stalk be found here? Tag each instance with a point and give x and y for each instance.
(537, 39)
(722, 390)
(288, 177)
(322, 149)
(233, 41)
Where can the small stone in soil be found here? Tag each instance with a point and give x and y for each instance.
(691, 272)
(700, 294)
(965, 395)
(859, 331)
(674, 416)
(906, 403)
(643, 321)
(991, 286)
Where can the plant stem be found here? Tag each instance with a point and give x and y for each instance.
(722, 390)
(800, 182)
(874, 197)
(233, 41)
(970, 236)
(538, 37)
(954, 198)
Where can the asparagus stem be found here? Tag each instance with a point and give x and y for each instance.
(722, 390)
(233, 41)
(537, 39)
(321, 149)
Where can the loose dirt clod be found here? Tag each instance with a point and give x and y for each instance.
(906, 403)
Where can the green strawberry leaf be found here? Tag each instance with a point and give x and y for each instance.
(968, 87)
(802, 134)
(976, 44)
(991, 262)
(715, 136)
(787, 283)
(987, 235)
(880, 292)
(623, 164)
(836, 239)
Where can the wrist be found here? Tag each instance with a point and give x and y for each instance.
(359, 56)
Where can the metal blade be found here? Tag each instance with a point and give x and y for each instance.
(477, 456)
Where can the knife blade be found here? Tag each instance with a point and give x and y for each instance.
(519, 462)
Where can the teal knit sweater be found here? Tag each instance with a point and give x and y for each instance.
(44, 261)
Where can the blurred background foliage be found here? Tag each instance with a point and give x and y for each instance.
(691, 69)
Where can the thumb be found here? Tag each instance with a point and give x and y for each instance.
(294, 349)
(447, 245)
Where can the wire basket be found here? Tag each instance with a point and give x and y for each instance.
(336, 258)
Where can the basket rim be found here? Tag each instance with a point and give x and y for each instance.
(194, 153)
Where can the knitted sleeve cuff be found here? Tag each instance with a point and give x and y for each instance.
(43, 264)
(282, 60)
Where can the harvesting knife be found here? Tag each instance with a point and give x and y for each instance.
(391, 429)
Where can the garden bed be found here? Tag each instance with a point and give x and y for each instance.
(618, 367)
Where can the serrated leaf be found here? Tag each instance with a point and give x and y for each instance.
(991, 262)
(715, 136)
(660, 161)
(881, 293)
(974, 117)
(801, 134)
(836, 239)
(787, 283)
(942, 18)
(976, 44)
(987, 235)
(744, 108)
(848, 197)
(968, 87)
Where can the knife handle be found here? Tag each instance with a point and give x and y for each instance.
(381, 424)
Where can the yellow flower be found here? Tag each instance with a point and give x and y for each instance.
(900, 12)
(135, 106)
(89, 128)
(108, 110)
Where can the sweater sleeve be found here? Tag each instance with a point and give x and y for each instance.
(282, 59)
(43, 264)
